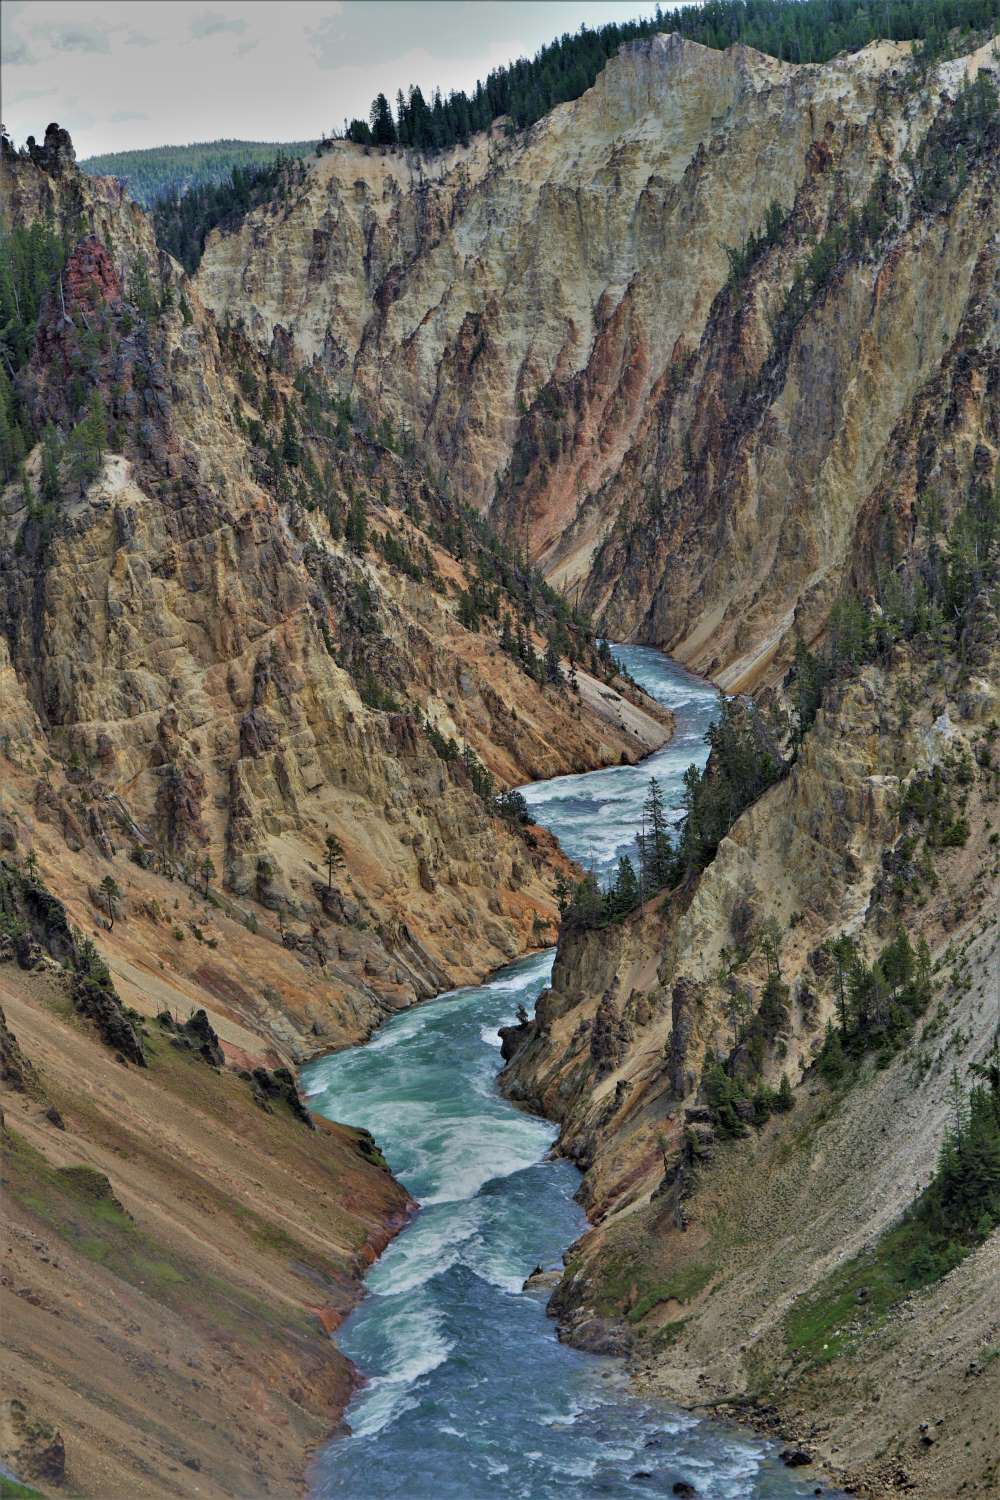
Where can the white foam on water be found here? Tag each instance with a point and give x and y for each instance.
(399, 1031)
(416, 1348)
(431, 1245)
(580, 1468)
(481, 1148)
(491, 1262)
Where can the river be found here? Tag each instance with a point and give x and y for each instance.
(470, 1395)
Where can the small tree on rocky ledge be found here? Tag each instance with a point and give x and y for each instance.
(334, 857)
(110, 891)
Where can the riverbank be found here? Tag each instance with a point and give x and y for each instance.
(175, 1258)
(745, 1262)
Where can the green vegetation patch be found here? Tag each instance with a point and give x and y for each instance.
(179, 169)
(13, 1489)
(79, 1205)
(683, 1286)
(629, 1284)
(856, 1298)
(956, 1212)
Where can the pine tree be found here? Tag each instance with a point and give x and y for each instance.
(383, 130)
(657, 850)
(81, 458)
(49, 482)
(334, 857)
(624, 892)
(553, 671)
(110, 892)
(843, 953)
(290, 449)
(356, 529)
(97, 425)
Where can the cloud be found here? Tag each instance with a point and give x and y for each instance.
(15, 49)
(326, 41)
(17, 53)
(121, 116)
(139, 39)
(27, 95)
(246, 47)
(82, 38)
(211, 24)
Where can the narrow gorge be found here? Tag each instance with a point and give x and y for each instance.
(499, 781)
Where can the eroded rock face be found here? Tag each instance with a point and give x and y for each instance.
(617, 1047)
(222, 681)
(550, 316)
(16, 1071)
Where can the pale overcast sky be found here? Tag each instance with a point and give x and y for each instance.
(121, 74)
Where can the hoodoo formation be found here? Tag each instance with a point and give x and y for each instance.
(327, 489)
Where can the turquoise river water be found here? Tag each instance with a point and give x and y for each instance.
(469, 1393)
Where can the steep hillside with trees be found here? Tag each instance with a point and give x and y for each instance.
(801, 31)
(160, 171)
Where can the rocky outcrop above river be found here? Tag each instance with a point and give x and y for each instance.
(713, 1223)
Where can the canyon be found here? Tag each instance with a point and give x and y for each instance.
(682, 364)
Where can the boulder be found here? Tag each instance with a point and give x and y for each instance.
(542, 1281)
(795, 1458)
(32, 1447)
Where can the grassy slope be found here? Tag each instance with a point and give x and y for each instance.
(175, 1259)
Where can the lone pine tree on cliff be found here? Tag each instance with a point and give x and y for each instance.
(110, 891)
(334, 857)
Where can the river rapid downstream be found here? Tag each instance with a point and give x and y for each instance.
(469, 1393)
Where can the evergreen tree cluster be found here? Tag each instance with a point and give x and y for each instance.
(801, 31)
(742, 258)
(929, 597)
(163, 171)
(735, 1104)
(183, 218)
(960, 135)
(877, 1004)
(31, 259)
(743, 762)
(962, 1202)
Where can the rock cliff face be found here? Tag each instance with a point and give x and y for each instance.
(266, 632)
(192, 652)
(703, 1246)
(552, 316)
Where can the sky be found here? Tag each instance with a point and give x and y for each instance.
(123, 74)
